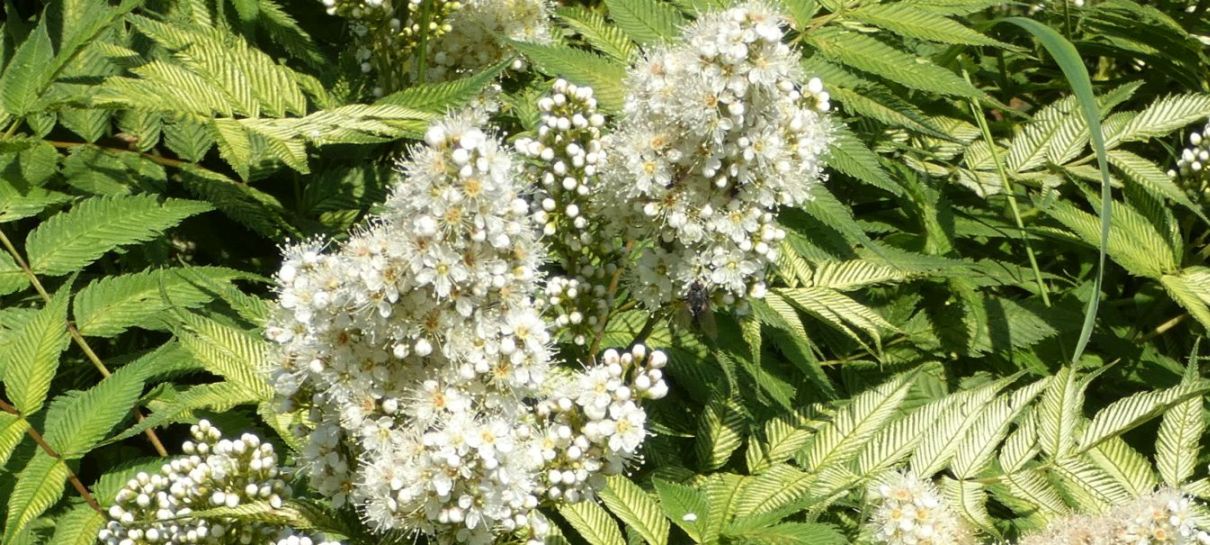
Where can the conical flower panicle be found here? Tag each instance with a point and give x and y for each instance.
(717, 133)
(426, 364)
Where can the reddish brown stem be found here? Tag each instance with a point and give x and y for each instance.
(77, 337)
(50, 451)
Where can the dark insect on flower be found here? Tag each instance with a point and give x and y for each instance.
(698, 299)
(696, 310)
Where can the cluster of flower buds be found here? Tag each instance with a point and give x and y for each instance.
(1192, 170)
(420, 351)
(163, 508)
(816, 96)
(289, 537)
(717, 133)
(388, 33)
(911, 511)
(579, 304)
(566, 156)
(594, 424)
(1163, 517)
(476, 33)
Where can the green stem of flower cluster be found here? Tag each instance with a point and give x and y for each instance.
(612, 291)
(423, 50)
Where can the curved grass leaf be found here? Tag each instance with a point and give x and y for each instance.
(1069, 61)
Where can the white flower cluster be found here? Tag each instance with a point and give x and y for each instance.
(717, 133)
(1070, 530)
(1163, 517)
(423, 355)
(1193, 167)
(911, 511)
(594, 422)
(216, 472)
(476, 31)
(566, 157)
(462, 35)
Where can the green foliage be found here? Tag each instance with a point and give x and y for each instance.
(226, 351)
(875, 57)
(31, 355)
(38, 487)
(647, 22)
(110, 305)
(607, 78)
(71, 240)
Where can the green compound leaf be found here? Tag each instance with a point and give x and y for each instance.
(111, 305)
(78, 527)
(647, 22)
(77, 423)
(606, 77)
(32, 355)
(39, 486)
(593, 523)
(27, 73)
(915, 22)
(636, 508)
(1179, 438)
(870, 55)
(70, 241)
